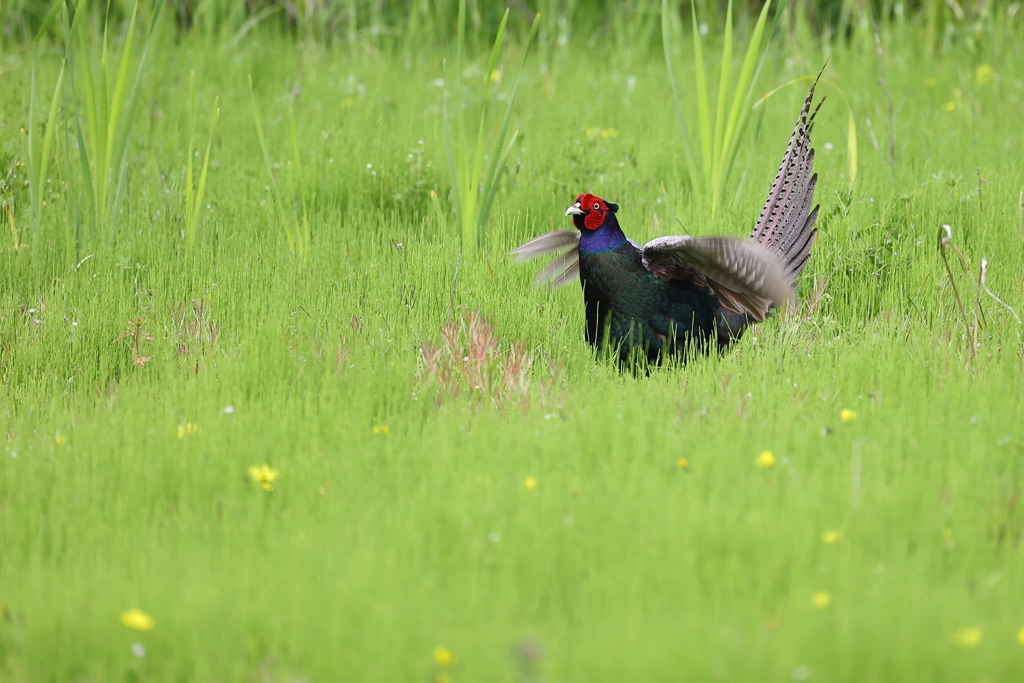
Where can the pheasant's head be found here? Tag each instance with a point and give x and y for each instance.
(590, 213)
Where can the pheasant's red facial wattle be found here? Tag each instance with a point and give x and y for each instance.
(594, 208)
(593, 220)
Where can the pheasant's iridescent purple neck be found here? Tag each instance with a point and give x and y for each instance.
(598, 226)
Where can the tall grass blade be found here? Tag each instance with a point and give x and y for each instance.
(282, 216)
(301, 231)
(748, 103)
(91, 155)
(453, 169)
(474, 186)
(499, 157)
(201, 190)
(194, 194)
(851, 142)
(48, 132)
(123, 132)
(189, 189)
(703, 104)
(48, 19)
(744, 85)
(718, 144)
(108, 117)
(87, 187)
(473, 230)
(723, 94)
(32, 158)
(696, 180)
(496, 50)
(117, 105)
(38, 157)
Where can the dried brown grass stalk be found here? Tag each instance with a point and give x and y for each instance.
(977, 320)
(472, 361)
(194, 324)
(134, 337)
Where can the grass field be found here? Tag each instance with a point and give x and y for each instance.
(563, 521)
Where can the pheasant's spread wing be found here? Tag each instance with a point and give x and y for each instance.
(746, 277)
(563, 269)
(786, 223)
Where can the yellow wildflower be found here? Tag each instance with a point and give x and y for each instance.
(1020, 635)
(495, 75)
(187, 429)
(765, 459)
(832, 536)
(593, 133)
(847, 415)
(984, 73)
(137, 620)
(949, 106)
(930, 82)
(443, 656)
(821, 599)
(61, 439)
(530, 483)
(967, 637)
(381, 429)
(265, 476)
(683, 463)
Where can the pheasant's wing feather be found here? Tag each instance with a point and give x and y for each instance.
(786, 224)
(565, 268)
(572, 272)
(561, 271)
(548, 243)
(746, 277)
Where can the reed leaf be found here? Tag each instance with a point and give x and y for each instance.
(499, 157)
(474, 186)
(703, 105)
(291, 235)
(194, 194)
(723, 94)
(740, 108)
(103, 142)
(48, 132)
(851, 141)
(301, 229)
(666, 40)
(719, 143)
(38, 156)
(296, 230)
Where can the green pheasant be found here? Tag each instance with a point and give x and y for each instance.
(678, 293)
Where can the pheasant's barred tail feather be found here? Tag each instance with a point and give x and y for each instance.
(786, 224)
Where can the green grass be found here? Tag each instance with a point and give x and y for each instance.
(374, 548)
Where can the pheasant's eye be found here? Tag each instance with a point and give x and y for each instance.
(596, 206)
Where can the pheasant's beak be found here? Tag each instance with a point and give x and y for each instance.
(574, 210)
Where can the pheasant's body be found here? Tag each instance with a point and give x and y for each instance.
(680, 293)
(628, 307)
